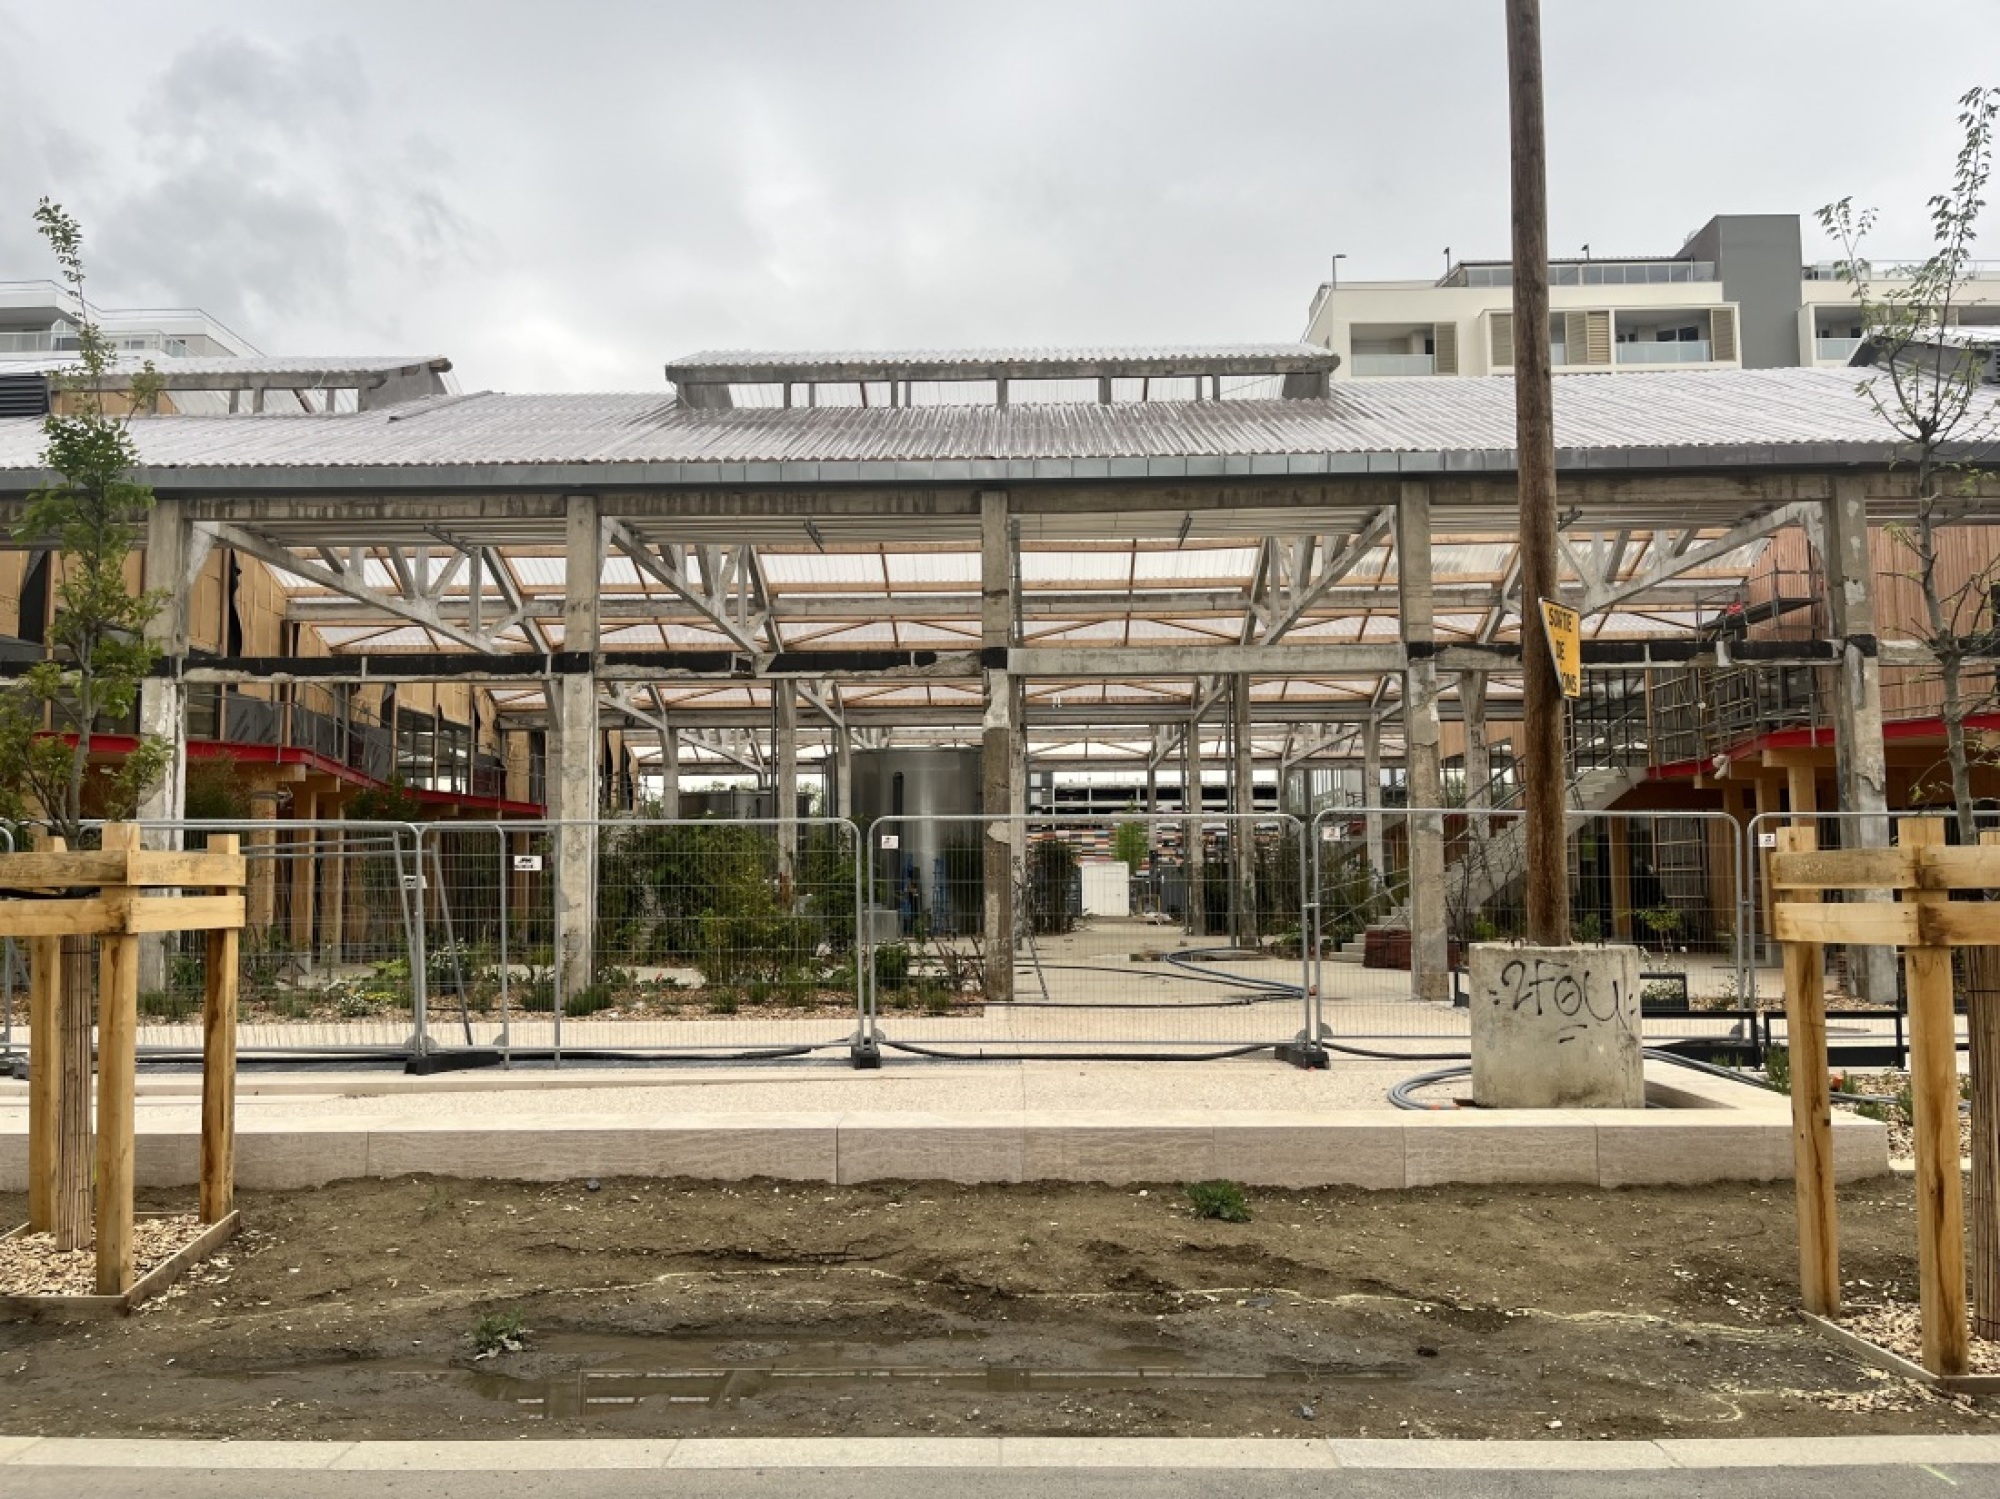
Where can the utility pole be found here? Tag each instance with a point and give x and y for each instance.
(1535, 446)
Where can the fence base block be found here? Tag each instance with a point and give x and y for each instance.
(865, 1053)
(450, 1061)
(1307, 1056)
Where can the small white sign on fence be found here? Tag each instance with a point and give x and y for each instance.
(527, 863)
(1328, 833)
(890, 840)
(1767, 840)
(413, 882)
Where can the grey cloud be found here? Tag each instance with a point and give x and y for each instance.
(565, 197)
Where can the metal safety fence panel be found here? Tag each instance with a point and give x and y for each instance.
(697, 937)
(1131, 936)
(1669, 883)
(330, 956)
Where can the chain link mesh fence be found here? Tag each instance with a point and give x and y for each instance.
(707, 937)
(1136, 935)
(1669, 883)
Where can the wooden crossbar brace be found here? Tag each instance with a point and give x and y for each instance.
(1926, 924)
(117, 914)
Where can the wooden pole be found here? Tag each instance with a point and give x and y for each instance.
(218, 1066)
(117, 1077)
(1982, 1025)
(1542, 767)
(69, 1192)
(117, 1066)
(1812, 1106)
(44, 1078)
(1934, 1094)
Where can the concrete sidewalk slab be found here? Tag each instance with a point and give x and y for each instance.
(1549, 1456)
(1129, 1453)
(561, 1455)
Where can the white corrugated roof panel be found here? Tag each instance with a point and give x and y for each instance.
(1599, 418)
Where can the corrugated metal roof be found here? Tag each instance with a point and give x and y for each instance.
(1393, 424)
(310, 366)
(804, 363)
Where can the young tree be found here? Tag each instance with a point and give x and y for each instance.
(1927, 388)
(93, 515)
(1131, 842)
(98, 653)
(1926, 384)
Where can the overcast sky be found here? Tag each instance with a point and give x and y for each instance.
(563, 196)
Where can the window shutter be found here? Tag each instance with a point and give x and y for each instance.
(1722, 334)
(1597, 338)
(1575, 336)
(1444, 348)
(1502, 336)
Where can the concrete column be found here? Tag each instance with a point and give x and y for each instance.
(1478, 750)
(670, 773)
(1000, 744)
(169, 563)
(785, 759)
(1371, 796)
(1242, 830)
(1857, 705)
(574, 783)
(1430, 961)
(333, 886)
(305, 884)
(1191, 804)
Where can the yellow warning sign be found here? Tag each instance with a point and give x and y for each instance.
(1565, 632)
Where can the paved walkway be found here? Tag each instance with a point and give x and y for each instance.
(1855, 1468)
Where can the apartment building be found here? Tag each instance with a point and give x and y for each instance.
(1738, 295)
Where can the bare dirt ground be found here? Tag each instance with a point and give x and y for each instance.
(684, 1309)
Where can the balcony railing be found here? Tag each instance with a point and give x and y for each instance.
(1835, 348)
(1395, 364)
(1693, 351)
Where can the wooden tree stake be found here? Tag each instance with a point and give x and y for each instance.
(218, 1070)
(44, 1078)
(1934, 1103)
(1812, 1110)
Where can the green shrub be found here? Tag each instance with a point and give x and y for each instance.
(498, 1332)
(168, 1004)
(589, 1000)
(892, 965)
(1778, 1068)
(1221, 1200)
(723, 1002)
(187, 971)
(536, 994)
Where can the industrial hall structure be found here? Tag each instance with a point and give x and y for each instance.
(1194, 579)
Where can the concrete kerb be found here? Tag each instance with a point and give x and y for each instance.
(1375, 1149)
(1002, 1452)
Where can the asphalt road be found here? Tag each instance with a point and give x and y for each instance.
(1892, 1482)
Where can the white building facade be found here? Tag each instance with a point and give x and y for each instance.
(1737, 295)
